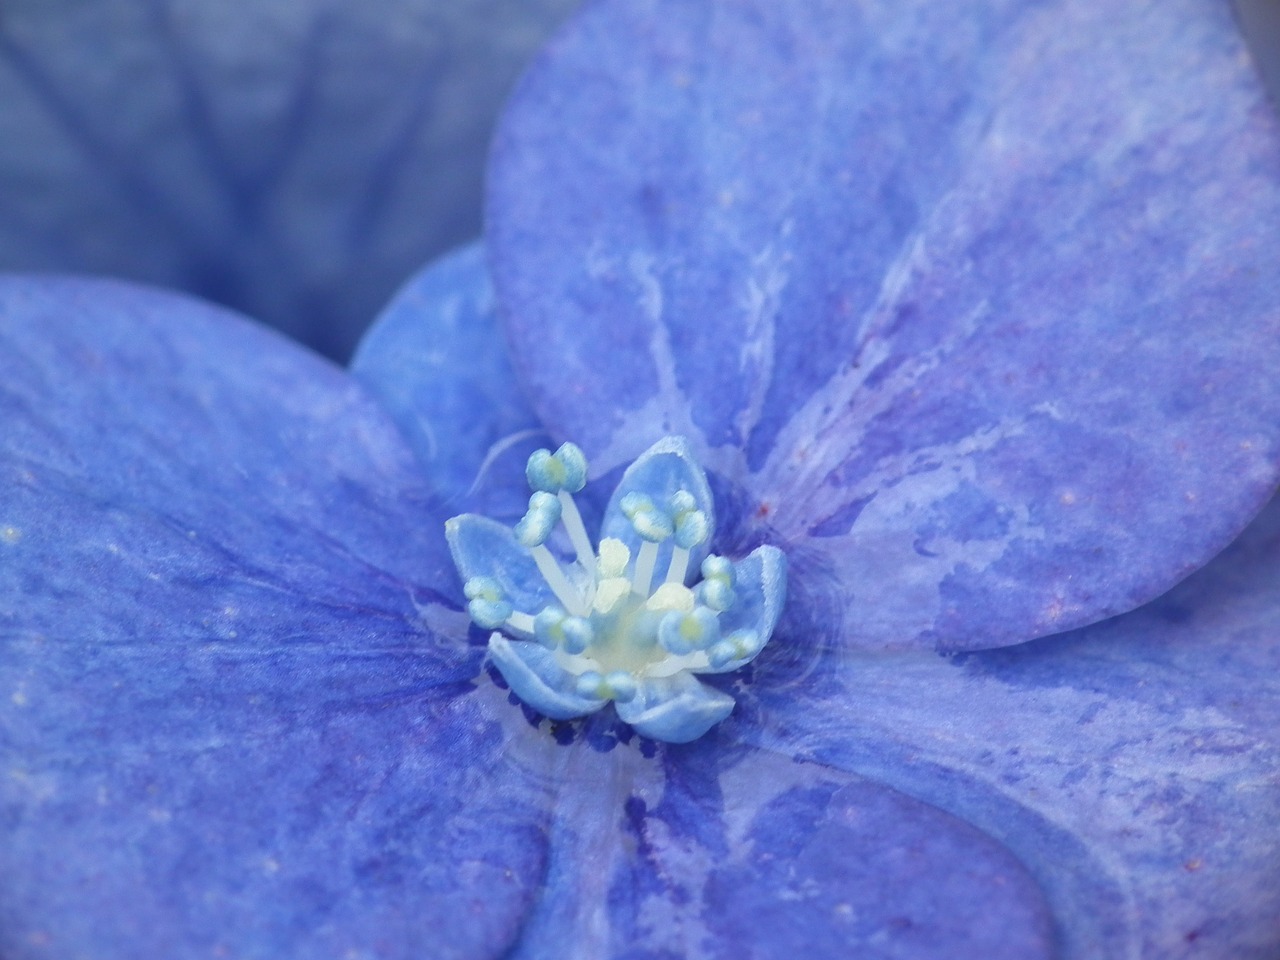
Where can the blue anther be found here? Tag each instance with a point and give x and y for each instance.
(573, 464)
(691, 529)
(490, 614)
(736, 646)
(722, 653)
(591, 685)
(577, 633)
(634, 502)
(682, 501)
(483, 588)
(566, 469)
(649, 522)
(716, 588)
(681, 633)
(716, 594)
(670, 635)
(542, 472)
(621, 686)
(717, 568)
(536, 525)
(747, 642)
(556, 630)
(486, 603)
(547, 628)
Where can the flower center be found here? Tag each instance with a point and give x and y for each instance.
(631, 620)
(614, 622)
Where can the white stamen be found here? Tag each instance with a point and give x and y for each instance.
(572, 521)
(614, 557)
(557, 581)
(672, 665)
(610, 593)
(520, 621)
(671, 596)
(646, 560)
(679, 565)
(576, 664)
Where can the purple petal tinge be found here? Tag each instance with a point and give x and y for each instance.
(974, 303)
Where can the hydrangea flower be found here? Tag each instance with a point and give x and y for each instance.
(974, 391)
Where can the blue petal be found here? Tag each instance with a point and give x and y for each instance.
(1260, 24)
(484, 548)
(716, 851)
(760, 585)
(234, 716)
(661, 471)
(538, 680)
(1131, 765)
(437, 360)
(974, 302)
(675, 709)
(294, 159)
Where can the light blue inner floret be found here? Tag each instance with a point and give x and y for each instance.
(630, 621)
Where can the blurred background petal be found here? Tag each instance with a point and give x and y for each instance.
(295, 159)
(437, 360)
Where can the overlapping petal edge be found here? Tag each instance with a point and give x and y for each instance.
(294, 159)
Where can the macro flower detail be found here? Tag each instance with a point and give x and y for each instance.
(628, 621)
(965, 307)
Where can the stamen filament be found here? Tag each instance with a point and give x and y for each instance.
(576, 663)
(672, 665)
(573, 525)
(520, 621)
(646, 560)
(557, 581)
(679, 565)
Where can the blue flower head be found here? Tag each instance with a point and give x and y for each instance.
(970, 308)
(632, 620)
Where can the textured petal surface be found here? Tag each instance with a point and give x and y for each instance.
(437, 360)
(230, 723)
(1131, 765)
(716, 851)
(296, 159)
(974, 303)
